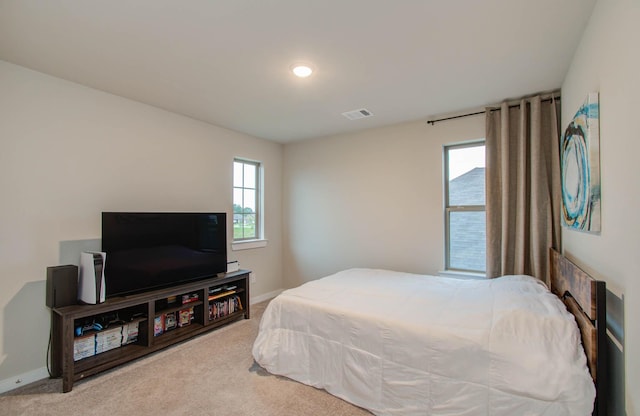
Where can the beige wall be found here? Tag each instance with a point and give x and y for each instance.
(368, 199)
(372, 198)
(607, 61)
(67, 153)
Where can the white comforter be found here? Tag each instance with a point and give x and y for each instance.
(398, 343)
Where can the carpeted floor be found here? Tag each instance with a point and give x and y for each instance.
(213, 374)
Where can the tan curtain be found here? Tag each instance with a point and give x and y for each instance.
(523, 187)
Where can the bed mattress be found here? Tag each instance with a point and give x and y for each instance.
(399, 343)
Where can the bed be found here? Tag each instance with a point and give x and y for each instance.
(399, 343)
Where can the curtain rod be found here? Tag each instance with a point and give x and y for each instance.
(432, 122)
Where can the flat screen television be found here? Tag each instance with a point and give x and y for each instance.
(153, 250)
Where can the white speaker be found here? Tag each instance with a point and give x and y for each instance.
(91, 287)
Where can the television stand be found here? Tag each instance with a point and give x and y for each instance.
(145, 323)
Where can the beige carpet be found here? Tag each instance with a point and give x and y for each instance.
(213, 374)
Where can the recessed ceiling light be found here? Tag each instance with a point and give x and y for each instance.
(301, 70)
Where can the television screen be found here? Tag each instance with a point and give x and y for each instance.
(154, 250)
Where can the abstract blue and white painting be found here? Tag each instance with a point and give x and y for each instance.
(580, 168)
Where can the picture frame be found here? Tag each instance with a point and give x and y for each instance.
(580, 168)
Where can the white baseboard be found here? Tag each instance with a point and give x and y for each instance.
(266, 296)
(23, 379)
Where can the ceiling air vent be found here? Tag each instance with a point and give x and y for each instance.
(356, 114)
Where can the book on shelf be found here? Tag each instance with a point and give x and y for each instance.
(225, 307)
(185, 316)
(158, 325)
(220, 295)
(130, 332)
(105, 340)
(191, 297)
(170, 321)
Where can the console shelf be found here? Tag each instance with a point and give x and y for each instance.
(147, 306)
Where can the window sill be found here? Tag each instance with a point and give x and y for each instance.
(458, 274)
(248, 244)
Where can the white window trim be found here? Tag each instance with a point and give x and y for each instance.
(248, 244)
(462, 274)
(453, 272)
(260, 241)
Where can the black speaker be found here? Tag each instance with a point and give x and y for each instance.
(62, 285)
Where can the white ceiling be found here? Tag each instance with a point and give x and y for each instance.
(226, 62)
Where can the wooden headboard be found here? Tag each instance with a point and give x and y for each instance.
(585, 298)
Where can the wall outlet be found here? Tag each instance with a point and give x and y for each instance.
(253, 277)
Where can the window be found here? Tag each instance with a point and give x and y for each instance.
(246, 200)
(465, 221)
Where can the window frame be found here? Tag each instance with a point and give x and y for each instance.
(448, 209)
(258, 213)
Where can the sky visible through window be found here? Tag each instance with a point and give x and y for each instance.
(464, 159)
